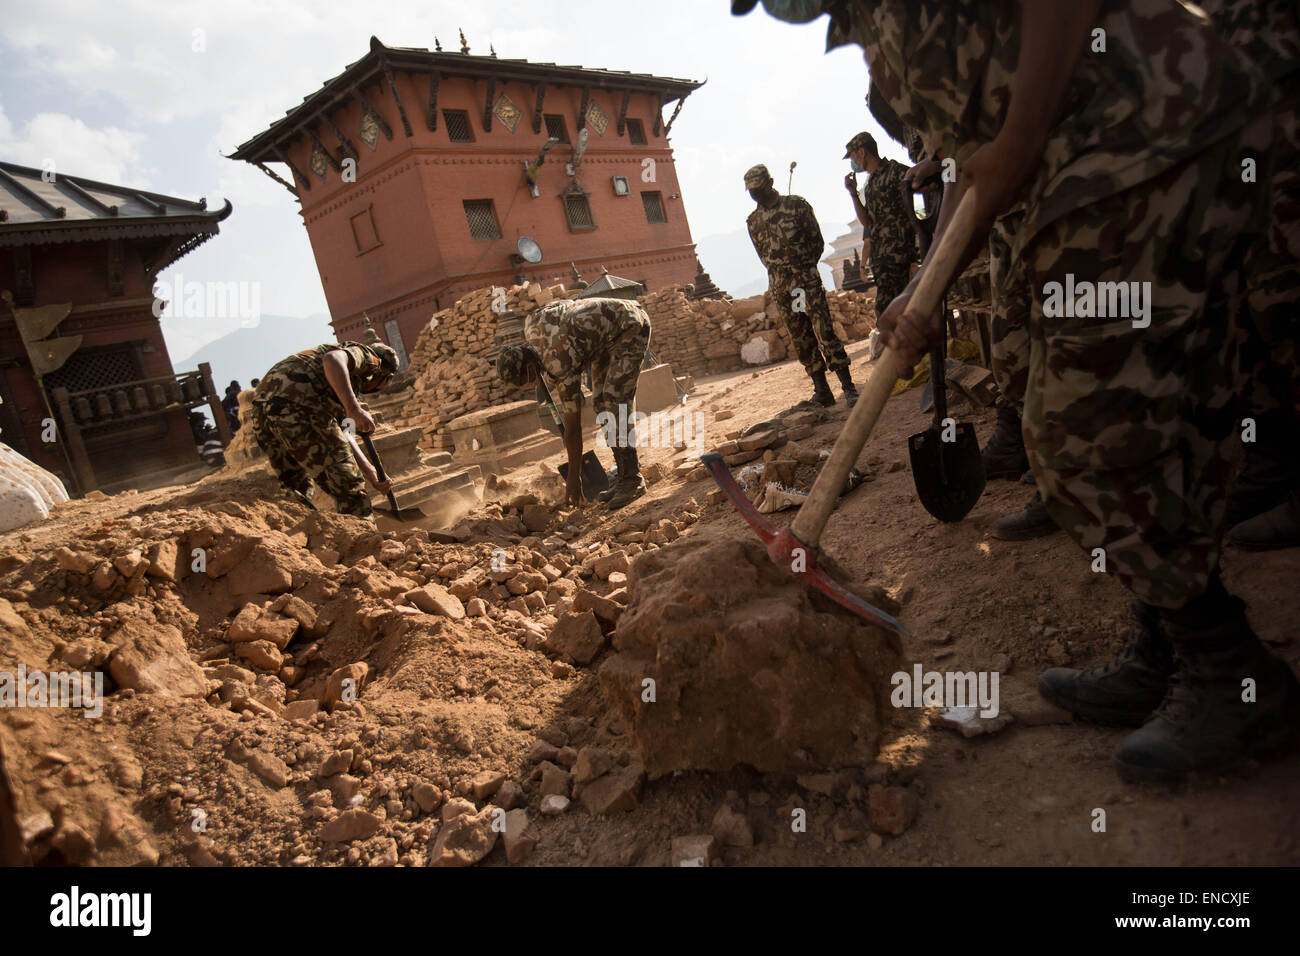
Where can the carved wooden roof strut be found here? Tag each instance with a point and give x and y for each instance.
(397, 97)
(379, 117)
(659, 113)
(321, 146)
(284, 158)
(537, 109)
(277, 177)
(487, 105)
(431, 118)
(346, 146)
(582, 110)
(676, 110)
(622, 111)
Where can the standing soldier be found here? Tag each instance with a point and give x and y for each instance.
(789, 242)
(1118, 129)
(560, 341)
(297, 412)
(885, 211)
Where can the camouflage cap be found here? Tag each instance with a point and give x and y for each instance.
(862, 140)
(511, 362)
(757, 176)
(387, 356)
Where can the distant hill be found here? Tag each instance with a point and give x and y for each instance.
(246, 354)
(730, 260)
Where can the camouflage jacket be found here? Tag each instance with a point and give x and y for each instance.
(787, 235)
(300, 378)
(1268, 30)
(567, 336)
(1165, 86)
(891, 230)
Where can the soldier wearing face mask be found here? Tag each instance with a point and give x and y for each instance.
(789, 242)
(885, 211)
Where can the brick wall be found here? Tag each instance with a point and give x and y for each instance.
(714, 335)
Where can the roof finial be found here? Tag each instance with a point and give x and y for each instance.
(492, 50)
(437, 45)
(464, 45)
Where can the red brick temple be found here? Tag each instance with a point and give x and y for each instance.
(80, 344)
(417, 176)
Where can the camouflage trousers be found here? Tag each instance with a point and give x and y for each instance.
(1132, 430)
(614, 375)
(305, 443)
(807, 318)
(892, 277)
(1009, 324)
(1274, 299)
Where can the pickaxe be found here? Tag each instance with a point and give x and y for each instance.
(794, 548)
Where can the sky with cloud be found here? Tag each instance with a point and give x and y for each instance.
(153, 94)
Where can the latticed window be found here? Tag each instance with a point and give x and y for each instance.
(556, 127)
(482, 219)
(100, 368)
(458, 128)
(635, 132)
(577, 210)
(654, 207)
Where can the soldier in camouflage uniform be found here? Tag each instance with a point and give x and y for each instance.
(560, 341)
(886, 213)
(1122, 129)
(789, 242)
(1264, 510)
(296, 415)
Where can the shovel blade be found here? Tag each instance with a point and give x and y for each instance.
(949, 475)
(401, 514)
(594, 477)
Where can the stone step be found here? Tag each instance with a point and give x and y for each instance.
(432, 487)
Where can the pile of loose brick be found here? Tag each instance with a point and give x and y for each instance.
(453, 357)
(707, 337)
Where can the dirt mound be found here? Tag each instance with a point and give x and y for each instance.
(749, 666)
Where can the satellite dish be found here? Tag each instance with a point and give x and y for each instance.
(529, 249)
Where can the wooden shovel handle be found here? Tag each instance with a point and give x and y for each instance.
(379, 469)
(811, 520)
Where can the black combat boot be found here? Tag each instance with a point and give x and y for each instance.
(822, 394)
(1278, 528)
(1031, 522)
(1124, 692)
(612, 477)
(1228, 698)
(1004, 455)
(847, 387)
(630, 485)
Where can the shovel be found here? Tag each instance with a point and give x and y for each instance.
(794, 548)
(947, 467)
(594, 477)
(398, 514)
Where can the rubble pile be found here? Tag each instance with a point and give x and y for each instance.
(725, 660)
(452, 359)
(715, 335)
(311, 690)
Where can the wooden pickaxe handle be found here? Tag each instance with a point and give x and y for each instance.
(379, 467)
(811, 520)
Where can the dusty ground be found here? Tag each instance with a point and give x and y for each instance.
(451, 705)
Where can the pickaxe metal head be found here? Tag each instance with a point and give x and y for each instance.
(792, 555)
